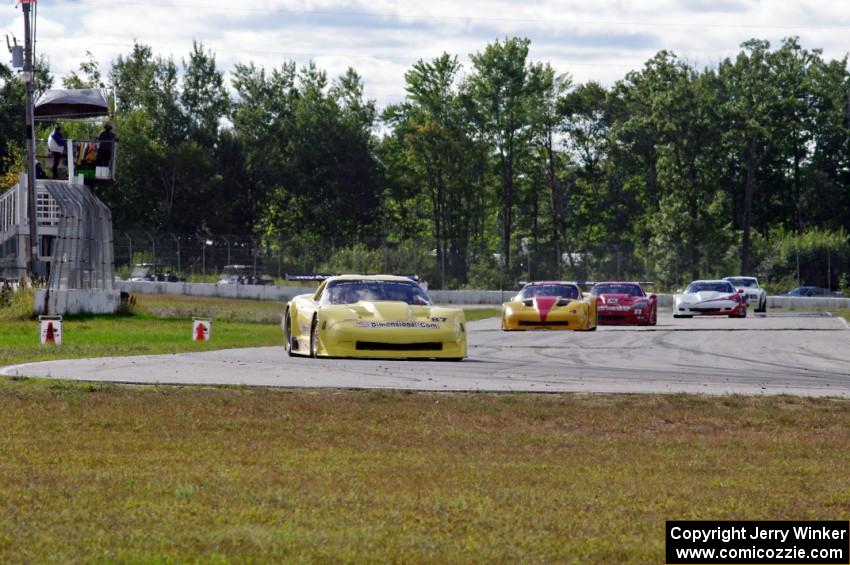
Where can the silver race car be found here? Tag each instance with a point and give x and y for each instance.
(756, 295)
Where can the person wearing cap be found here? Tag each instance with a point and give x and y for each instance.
(106, 141)
(56, 146)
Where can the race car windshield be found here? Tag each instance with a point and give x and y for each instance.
(627, 289)
(711, 286)
(352, 291)
(561, 290)
(744, 282)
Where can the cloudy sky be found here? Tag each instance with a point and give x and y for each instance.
(591, 40)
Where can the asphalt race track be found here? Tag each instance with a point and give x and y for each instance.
(774, 354)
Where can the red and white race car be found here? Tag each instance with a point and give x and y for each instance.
(710, 298)
(624, 303)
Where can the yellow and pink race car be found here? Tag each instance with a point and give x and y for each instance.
(550, 305)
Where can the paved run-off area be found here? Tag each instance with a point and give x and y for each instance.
(774, 354)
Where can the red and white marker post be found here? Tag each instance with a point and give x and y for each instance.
(50, 330)
(201, 329)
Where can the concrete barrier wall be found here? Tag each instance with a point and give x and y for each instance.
(799, 302)
(471, 296)
(285, 293)
(491, 297)
(245, 291)
(65, 302)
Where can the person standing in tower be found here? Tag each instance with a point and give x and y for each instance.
(56, 146)
(105, 146)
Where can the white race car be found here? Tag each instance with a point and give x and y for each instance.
(709, 298)
(756, 296)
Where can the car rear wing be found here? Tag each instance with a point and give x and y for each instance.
(591, 283)
(322, 276)
(307, 276)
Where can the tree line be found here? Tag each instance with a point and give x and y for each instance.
(502, 167)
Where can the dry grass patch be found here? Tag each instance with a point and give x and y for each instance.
(107, 472)
(222, 309)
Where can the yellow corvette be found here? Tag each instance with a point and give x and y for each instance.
(550, 306)
(372, 316)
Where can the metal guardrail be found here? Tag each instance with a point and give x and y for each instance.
(9, 212)
(13, 208)
(75, 234)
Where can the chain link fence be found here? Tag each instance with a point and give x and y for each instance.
(203, 257)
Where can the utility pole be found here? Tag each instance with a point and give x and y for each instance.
(28, 76)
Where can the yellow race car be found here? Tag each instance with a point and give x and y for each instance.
(372, 316)
(550, 305)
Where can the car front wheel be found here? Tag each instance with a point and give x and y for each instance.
(314, 338)
(287, 335)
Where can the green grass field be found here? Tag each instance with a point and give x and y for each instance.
(110, 473)
(94, 473)
(160, 325)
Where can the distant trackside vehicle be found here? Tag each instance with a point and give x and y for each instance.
(815, 291)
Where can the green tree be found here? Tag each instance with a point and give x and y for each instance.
(12, 117)
(750, 94)
(668, 114)
(203, 96)
(441, 156)
(262, 123)
(550, 163)
(794, 69)
(327, 163)
(824, 196)
(500, 92)
(89, 75)
(170, 155)
(592, 200)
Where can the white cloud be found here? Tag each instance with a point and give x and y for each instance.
(599, 40)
